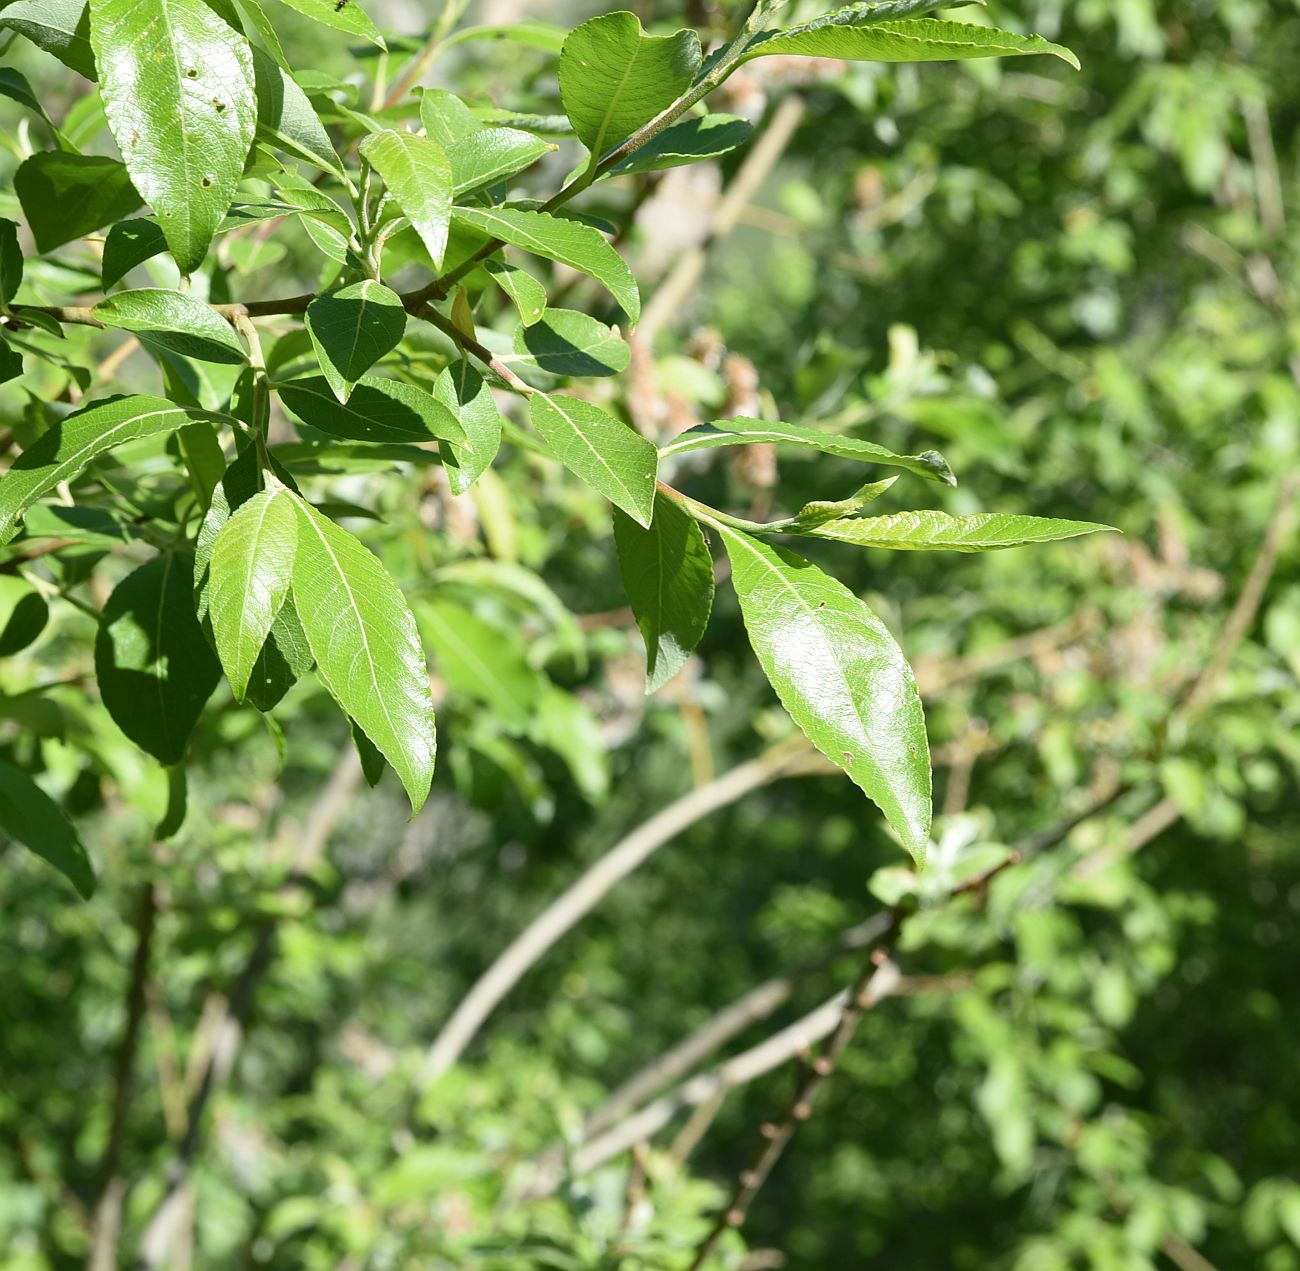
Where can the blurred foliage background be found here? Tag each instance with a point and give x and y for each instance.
(1082, 288)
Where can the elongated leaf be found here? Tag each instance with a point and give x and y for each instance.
(606, 454)
(937, 531)
(349, 17)
(667, 573)
(480, 661)
(614, 78)
(60, 27)
(567, 342)
(841, 675)
(62, 452)
(367, 650)
(569, 242)
(130, 243)
(11, 263)
(179, 94)
(378, 410)
(154, 667)
(909, 40)
(446, 118)
(30, 816)
(171, 320)
(351, 328)
(287, 119)
(322, 218)
(285, 655)
(23, 614)
(417, 172)
(466, 396)
(491, 154)
(249, 579)
(819, 511)
(740, 432)
(525, 292)
(67, 195)
(690, 141)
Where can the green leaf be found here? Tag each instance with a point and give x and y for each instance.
(11, 364)
(59, 454)
(525, 292)
(840, 35)
(569, 242)
(348, 17)
(249, 579)
(373, 766)
(841, 675)
(614, 78)
(480, 660)
(937, 531)
(667, 572)
(326, 224)
(690, 141)
(446, 118)
(741, 431)
(417, 173)
(567, 342)
(23, 614)
(608, 455)
(154, 667)
(130, 243)
(11, 262)
(30, 816)
(378, 410)
(353, 327)
(466, 396)
(60, 27)
(490, 155)
(256, 19)
(180, 98)
(205, 461)
(16, 86)
(367, 649)
(286, 117)
(67, 195)
(171, 320)
(819, 511)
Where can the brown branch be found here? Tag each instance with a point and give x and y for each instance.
(112, 1186)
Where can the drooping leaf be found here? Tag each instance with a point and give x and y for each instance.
(59, 454)
(417, 172)
(841, 675)
(11, 262)
(614, 78)
(690, 141)
(154, 668)
(180, 98)
(349, 17)
(352, 327)
(741, 431)
(23, 614)
(11, 363)
(611, 457)
(490, 155)
(287, 119)
(525, 292)
(60, 27)
(30, 816)
(378, 410)
(171, 320)
(466, 396)
(567, 342)
(130, 243)
(67, 195)
(841, 35)
(256, 21)
(373, 764)
(938, 531)
(480, 661)
(569, 242)
(248, 580)
(366, 646)
(204, 460)
(667, 573)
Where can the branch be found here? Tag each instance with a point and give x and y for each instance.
(578, 900)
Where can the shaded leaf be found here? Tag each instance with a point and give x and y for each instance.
(667, 573)
(687, 142)
(466, 396)
(174, 321)
(566, 342)
(60, 27)
(23, 614)
(353, 327)
(67, 195)
(379, 410)
(286, 117)
(30, 816)
(11, 262)
(130, 243)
